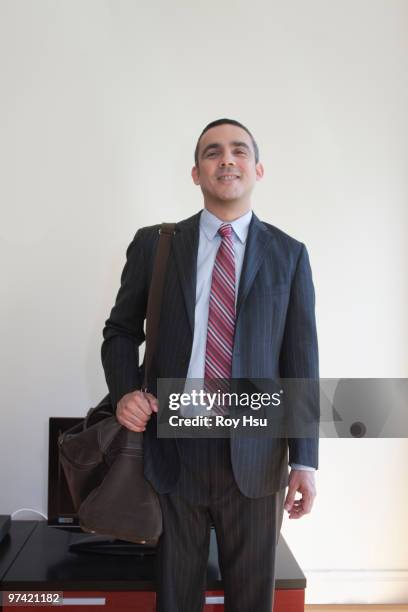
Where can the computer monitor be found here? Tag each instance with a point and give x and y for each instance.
(61, 512)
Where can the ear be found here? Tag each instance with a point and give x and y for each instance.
(195, 173)
(259, 171)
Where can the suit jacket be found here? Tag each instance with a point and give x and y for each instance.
(275, 336)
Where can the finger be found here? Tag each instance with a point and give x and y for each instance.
(296, 511)
(308, 494)
(290, 498)
(307, 502)
(301, 507)
(140, 420)
(132, 427)
(141, 404)
(296, 515)
(132, 415)
(153, 401)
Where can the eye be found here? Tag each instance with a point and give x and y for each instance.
(211, 154)
(240, 151)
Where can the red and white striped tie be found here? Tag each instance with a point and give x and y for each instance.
(221, 319)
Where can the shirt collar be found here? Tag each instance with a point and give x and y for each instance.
(210, 225)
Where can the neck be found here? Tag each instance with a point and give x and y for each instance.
(227, 211)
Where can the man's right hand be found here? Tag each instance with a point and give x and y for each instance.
(135, 409)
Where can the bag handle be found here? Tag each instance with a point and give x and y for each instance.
(155, 296)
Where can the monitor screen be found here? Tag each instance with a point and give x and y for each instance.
(61, 511)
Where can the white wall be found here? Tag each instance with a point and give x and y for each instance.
(100, 107)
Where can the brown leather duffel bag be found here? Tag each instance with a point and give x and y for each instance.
(103, 461)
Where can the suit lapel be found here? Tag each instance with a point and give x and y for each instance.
(185, 248)
(257, 242)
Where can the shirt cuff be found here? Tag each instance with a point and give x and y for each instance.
(305, 468)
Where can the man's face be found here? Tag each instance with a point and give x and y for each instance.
(226, 168)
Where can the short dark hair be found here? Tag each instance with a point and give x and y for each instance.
(230, 122)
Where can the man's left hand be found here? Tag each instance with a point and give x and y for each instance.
(302, 481)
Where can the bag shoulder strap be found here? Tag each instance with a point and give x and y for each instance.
(166, 232)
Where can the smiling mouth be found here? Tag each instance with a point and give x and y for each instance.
(228, 177)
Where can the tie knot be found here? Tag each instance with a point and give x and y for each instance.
(225, 230)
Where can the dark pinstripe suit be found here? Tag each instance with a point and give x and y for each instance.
(275, 336)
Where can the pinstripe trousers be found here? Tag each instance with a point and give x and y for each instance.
(247, 531)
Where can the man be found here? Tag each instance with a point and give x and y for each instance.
(224, 263)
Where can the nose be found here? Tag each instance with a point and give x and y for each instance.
(227, 160)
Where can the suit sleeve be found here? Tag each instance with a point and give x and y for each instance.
(123, 332)
(299, 360)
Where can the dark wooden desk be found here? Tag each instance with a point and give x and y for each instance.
(35, 557)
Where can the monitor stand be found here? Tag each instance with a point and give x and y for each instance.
(110, 546)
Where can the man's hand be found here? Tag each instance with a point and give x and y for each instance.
(302, 481)
(135, 409)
